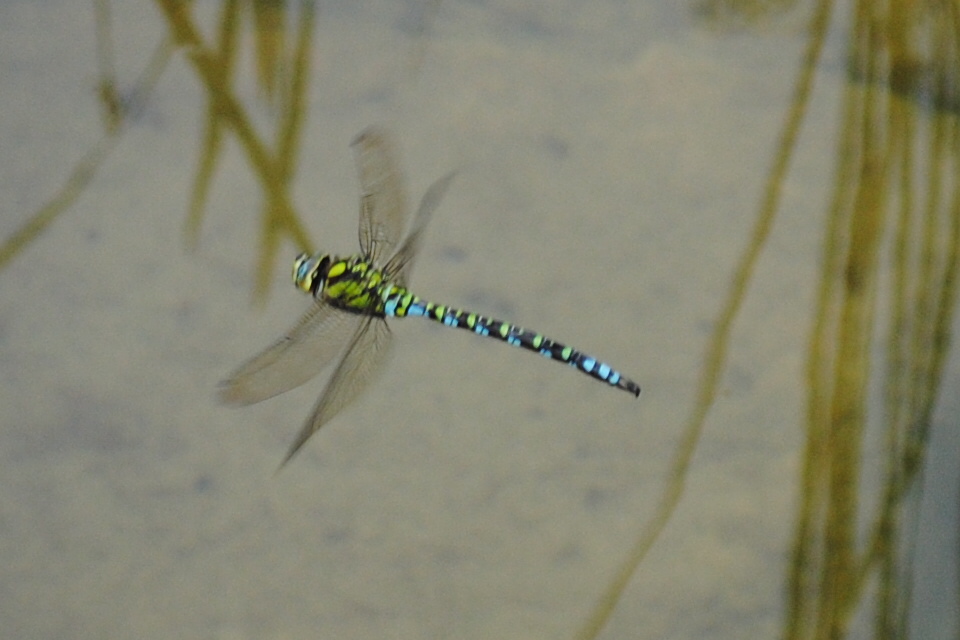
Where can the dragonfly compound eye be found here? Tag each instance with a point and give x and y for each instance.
(307, 269)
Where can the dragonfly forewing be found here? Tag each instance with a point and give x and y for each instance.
(383, 201)
(312, 344)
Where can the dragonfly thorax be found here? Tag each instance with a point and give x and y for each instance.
(352, 283)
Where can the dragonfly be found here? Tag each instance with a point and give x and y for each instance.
(354, 295)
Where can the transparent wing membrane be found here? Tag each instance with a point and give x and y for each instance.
(357, 367)
(312, 344)
(383, 200)
(400, 264)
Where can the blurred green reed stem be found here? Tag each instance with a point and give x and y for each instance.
(273, 170)
(716, 354)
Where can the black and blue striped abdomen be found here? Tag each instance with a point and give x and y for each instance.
(399, 302)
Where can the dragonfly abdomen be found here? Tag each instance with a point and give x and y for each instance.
(399, 302)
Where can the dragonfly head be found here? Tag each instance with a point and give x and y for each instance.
(310, 272)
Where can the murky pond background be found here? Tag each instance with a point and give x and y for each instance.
(768, 247)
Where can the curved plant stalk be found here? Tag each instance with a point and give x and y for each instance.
(716, 355)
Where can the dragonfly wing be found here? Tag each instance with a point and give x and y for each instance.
(383, 201)
(401, 263)
(357, 368)
(307, 348)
